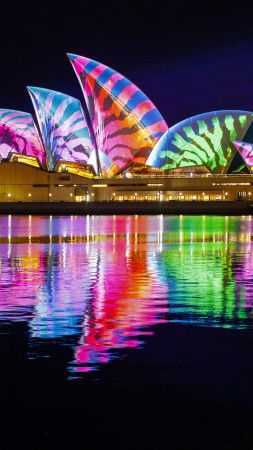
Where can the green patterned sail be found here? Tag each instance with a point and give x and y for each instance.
(203, 140)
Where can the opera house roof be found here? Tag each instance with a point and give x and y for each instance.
(207, 140)
(119, 127)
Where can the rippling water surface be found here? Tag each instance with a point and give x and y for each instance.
(100, 284)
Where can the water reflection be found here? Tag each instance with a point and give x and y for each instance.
(101, 284)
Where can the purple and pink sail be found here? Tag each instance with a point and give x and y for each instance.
(246, 151)
(18, 134)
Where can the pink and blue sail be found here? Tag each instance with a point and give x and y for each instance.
(62, 125)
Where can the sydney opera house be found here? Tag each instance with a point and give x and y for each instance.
(115, 145)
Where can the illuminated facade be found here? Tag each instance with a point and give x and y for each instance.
(117, 146)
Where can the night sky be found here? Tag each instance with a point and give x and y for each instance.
(191, 58)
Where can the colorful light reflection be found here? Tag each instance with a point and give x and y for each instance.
(102, 284)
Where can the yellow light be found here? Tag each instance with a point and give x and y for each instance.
(50, 195)
(226, 193)
(203, 193)
(9, 195)
(99, 185)
(71, 195)
(29, 195)
(155, 184)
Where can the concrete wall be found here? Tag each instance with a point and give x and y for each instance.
(19, 182)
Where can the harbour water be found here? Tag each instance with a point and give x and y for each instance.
(129, 306)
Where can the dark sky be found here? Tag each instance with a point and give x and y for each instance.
(189, 58)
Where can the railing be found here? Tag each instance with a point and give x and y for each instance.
(202, 175)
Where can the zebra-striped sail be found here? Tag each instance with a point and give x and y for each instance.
(63, 127)
(246, 151)
(204, 140)
(125, 124)
(18, 134)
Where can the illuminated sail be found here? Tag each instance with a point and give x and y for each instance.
(63, 126)
(18, 135)
(204, 140)
(125, 124)
(246, 151)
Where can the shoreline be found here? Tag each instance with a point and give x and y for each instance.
(128, 207)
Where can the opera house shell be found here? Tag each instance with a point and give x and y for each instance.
(117, 132)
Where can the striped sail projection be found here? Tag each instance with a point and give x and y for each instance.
(246, 151)
(124, 123)
(63, 127)
(204, 140)
(18, 134)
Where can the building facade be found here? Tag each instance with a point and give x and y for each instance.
(20, 182)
